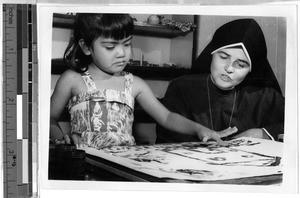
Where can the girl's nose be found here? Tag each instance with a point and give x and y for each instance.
(121, 51)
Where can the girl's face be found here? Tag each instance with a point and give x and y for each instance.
(109, 55)
(229, 67)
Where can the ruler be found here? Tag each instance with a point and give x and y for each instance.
(19, 100)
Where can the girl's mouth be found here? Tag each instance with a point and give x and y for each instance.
(121, 63)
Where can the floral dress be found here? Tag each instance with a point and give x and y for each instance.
(103, 117)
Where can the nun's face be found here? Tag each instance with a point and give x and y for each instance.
(229, 67)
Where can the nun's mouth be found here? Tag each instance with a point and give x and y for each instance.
(225, 78)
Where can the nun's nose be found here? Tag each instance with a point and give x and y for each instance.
(229, 67)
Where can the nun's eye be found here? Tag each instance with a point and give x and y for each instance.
(240, 64)
(224, 56)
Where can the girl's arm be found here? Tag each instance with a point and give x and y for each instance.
(62, 93)
(169, 120)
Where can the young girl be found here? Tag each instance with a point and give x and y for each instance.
(100, 95)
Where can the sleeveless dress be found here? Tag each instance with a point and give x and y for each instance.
(103, 117)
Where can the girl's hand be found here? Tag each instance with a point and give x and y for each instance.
(64, 140)
(227, 132)
(77, 140)
(212, 135)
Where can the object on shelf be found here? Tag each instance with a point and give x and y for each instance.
(153, 65)
(172, 65)
(160, 20)
(137, 63)
(184, 27)
(169, 65)
(154, 19)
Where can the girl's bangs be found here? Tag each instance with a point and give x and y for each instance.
(120, 28)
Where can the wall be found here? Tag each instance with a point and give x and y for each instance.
(274, 29)
(182, 47)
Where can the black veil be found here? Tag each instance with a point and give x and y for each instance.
(249, 33)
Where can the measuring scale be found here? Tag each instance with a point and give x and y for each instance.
(19, 100)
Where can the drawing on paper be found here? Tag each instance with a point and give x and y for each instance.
(243, 157)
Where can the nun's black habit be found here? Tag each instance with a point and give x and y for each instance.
(257, 102)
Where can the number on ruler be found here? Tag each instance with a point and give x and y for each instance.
(14, 162)
(11, 99)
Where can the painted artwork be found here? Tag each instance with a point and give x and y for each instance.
(196, 161)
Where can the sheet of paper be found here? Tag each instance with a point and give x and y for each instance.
(243, 157)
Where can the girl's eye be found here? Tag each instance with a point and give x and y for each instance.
(127, 44)
(110, 47)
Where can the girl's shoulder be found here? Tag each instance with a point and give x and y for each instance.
(137, 79)
(69, 79)
(70, 75)
(138, 84)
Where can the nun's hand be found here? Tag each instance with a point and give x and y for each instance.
(254, 133)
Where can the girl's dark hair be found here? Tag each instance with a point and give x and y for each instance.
(89, 27)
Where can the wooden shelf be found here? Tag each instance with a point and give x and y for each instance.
(158, 73)
(144, 29)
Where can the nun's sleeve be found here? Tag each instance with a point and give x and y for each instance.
(274, 116)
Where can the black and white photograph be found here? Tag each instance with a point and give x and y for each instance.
(168, 98)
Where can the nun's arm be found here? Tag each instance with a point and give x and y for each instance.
(254, 133)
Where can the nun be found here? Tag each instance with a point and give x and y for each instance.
(233, 85)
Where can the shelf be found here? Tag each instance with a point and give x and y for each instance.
(144, 29)
(157, 73)
(146, 72)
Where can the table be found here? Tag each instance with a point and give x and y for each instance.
(242, 161)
